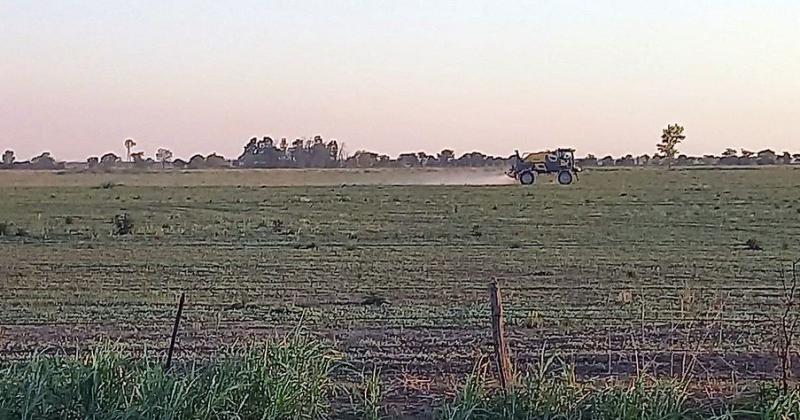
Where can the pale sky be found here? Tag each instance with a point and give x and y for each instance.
(78, 77)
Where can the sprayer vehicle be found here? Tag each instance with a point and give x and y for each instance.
(560, 162)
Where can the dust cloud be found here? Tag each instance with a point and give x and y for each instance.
(469, 179)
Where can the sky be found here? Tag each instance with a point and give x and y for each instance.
(77, 77)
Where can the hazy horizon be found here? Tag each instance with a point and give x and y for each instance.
(78, 77)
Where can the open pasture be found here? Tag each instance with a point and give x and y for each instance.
(625, 270)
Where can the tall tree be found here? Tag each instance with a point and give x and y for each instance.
(8, 158)
(670, 138)
(129, 144)
(333, 153)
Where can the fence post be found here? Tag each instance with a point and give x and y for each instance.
(175, 331)
(498, 337)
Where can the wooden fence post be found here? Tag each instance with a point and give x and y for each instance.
(499, 339)
(175, 331)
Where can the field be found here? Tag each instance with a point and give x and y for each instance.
(625, 271)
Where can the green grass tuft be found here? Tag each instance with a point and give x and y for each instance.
(276, 380)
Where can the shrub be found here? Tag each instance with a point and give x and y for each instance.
(5, 228)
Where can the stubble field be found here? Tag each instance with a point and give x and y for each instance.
(626, 270)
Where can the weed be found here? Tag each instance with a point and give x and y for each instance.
(753, 245)
(476, 231)
(375, 300)
(372, 397)
(123, 224)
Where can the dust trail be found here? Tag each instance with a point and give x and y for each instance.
(470, 179)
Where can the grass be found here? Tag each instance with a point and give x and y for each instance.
(276, 380)
(539, 395)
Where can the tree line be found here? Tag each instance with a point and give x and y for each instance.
(318, 153)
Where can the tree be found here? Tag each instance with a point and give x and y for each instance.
(446, 157)
(108, 160)
(139, 160)
(747, 158)
(408, 160)
(216, 161)
(44, 161)
(333, 153)
(197, 162)
(423, 158)
(767, 157)
(164, 156)
(8, 158)
(670, 138)
(129, 144)
(364, 159)
(729, 152)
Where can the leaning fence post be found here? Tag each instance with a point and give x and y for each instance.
(498, 337)
(175, 331)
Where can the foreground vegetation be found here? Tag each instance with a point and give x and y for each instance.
(276, 380)
(538, 396)
(295, 379)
